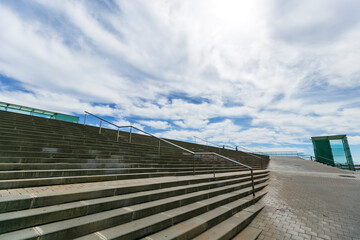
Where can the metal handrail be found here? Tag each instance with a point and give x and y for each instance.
(207, 141)
(175, 145)
(228, 146)
(130, 126)
(332, 161)
(326, 158)
(216, 154)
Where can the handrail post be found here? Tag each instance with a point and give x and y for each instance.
(130, 135)
(85, 118)
(194, 165)
(252, 182)
(100, 127)
(117, 138)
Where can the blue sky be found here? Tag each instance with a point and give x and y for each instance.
(266, 75)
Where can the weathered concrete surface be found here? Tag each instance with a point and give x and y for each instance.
(308, 200)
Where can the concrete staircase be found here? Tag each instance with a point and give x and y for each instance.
(68, 181)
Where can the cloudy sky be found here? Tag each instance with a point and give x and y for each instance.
(266, 75)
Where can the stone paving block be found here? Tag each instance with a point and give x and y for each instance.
(303, 202)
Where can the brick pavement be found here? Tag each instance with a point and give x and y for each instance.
(308, 200)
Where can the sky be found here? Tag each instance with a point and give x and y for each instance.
(264, 75)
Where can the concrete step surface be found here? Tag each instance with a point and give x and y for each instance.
(61, 180)
(93, 165)
(227, 229)
(26, 174)
(184, 222)
(113, 159)
(249, 233)
(48, 181)
(100, 189)
(185, 206)
(191, 218)
(11, 221)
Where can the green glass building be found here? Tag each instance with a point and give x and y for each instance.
(334, 151)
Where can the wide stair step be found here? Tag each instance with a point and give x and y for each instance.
(77, 218)
(187, 219)
(249, 233)
(20, 202)
(230, 227)
(27, 218)
(33, 182)
(61, 180)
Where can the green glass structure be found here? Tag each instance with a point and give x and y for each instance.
(333, 150)
(38, 112)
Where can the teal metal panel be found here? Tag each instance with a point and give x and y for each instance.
(333, 150)
(38, 112)
(67, 118)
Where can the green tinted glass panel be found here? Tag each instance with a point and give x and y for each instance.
(333, 150)
(338, 152)
(323, 151)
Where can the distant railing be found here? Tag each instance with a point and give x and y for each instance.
(325, 160)
(357, 167)
(223, 147)
(334, 163)
(281, 153)
(175, 145)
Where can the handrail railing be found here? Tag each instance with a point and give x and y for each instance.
(216, 154)
(175, 145)
(334, 163)
(130, 126)
(228, 146)
(330, 161)
(207, 141)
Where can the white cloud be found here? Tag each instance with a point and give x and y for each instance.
(354, 140)
(190, 122)
(156, 124)
(122, 122)
(288, 68)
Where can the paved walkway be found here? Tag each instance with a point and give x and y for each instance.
(308, 200)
